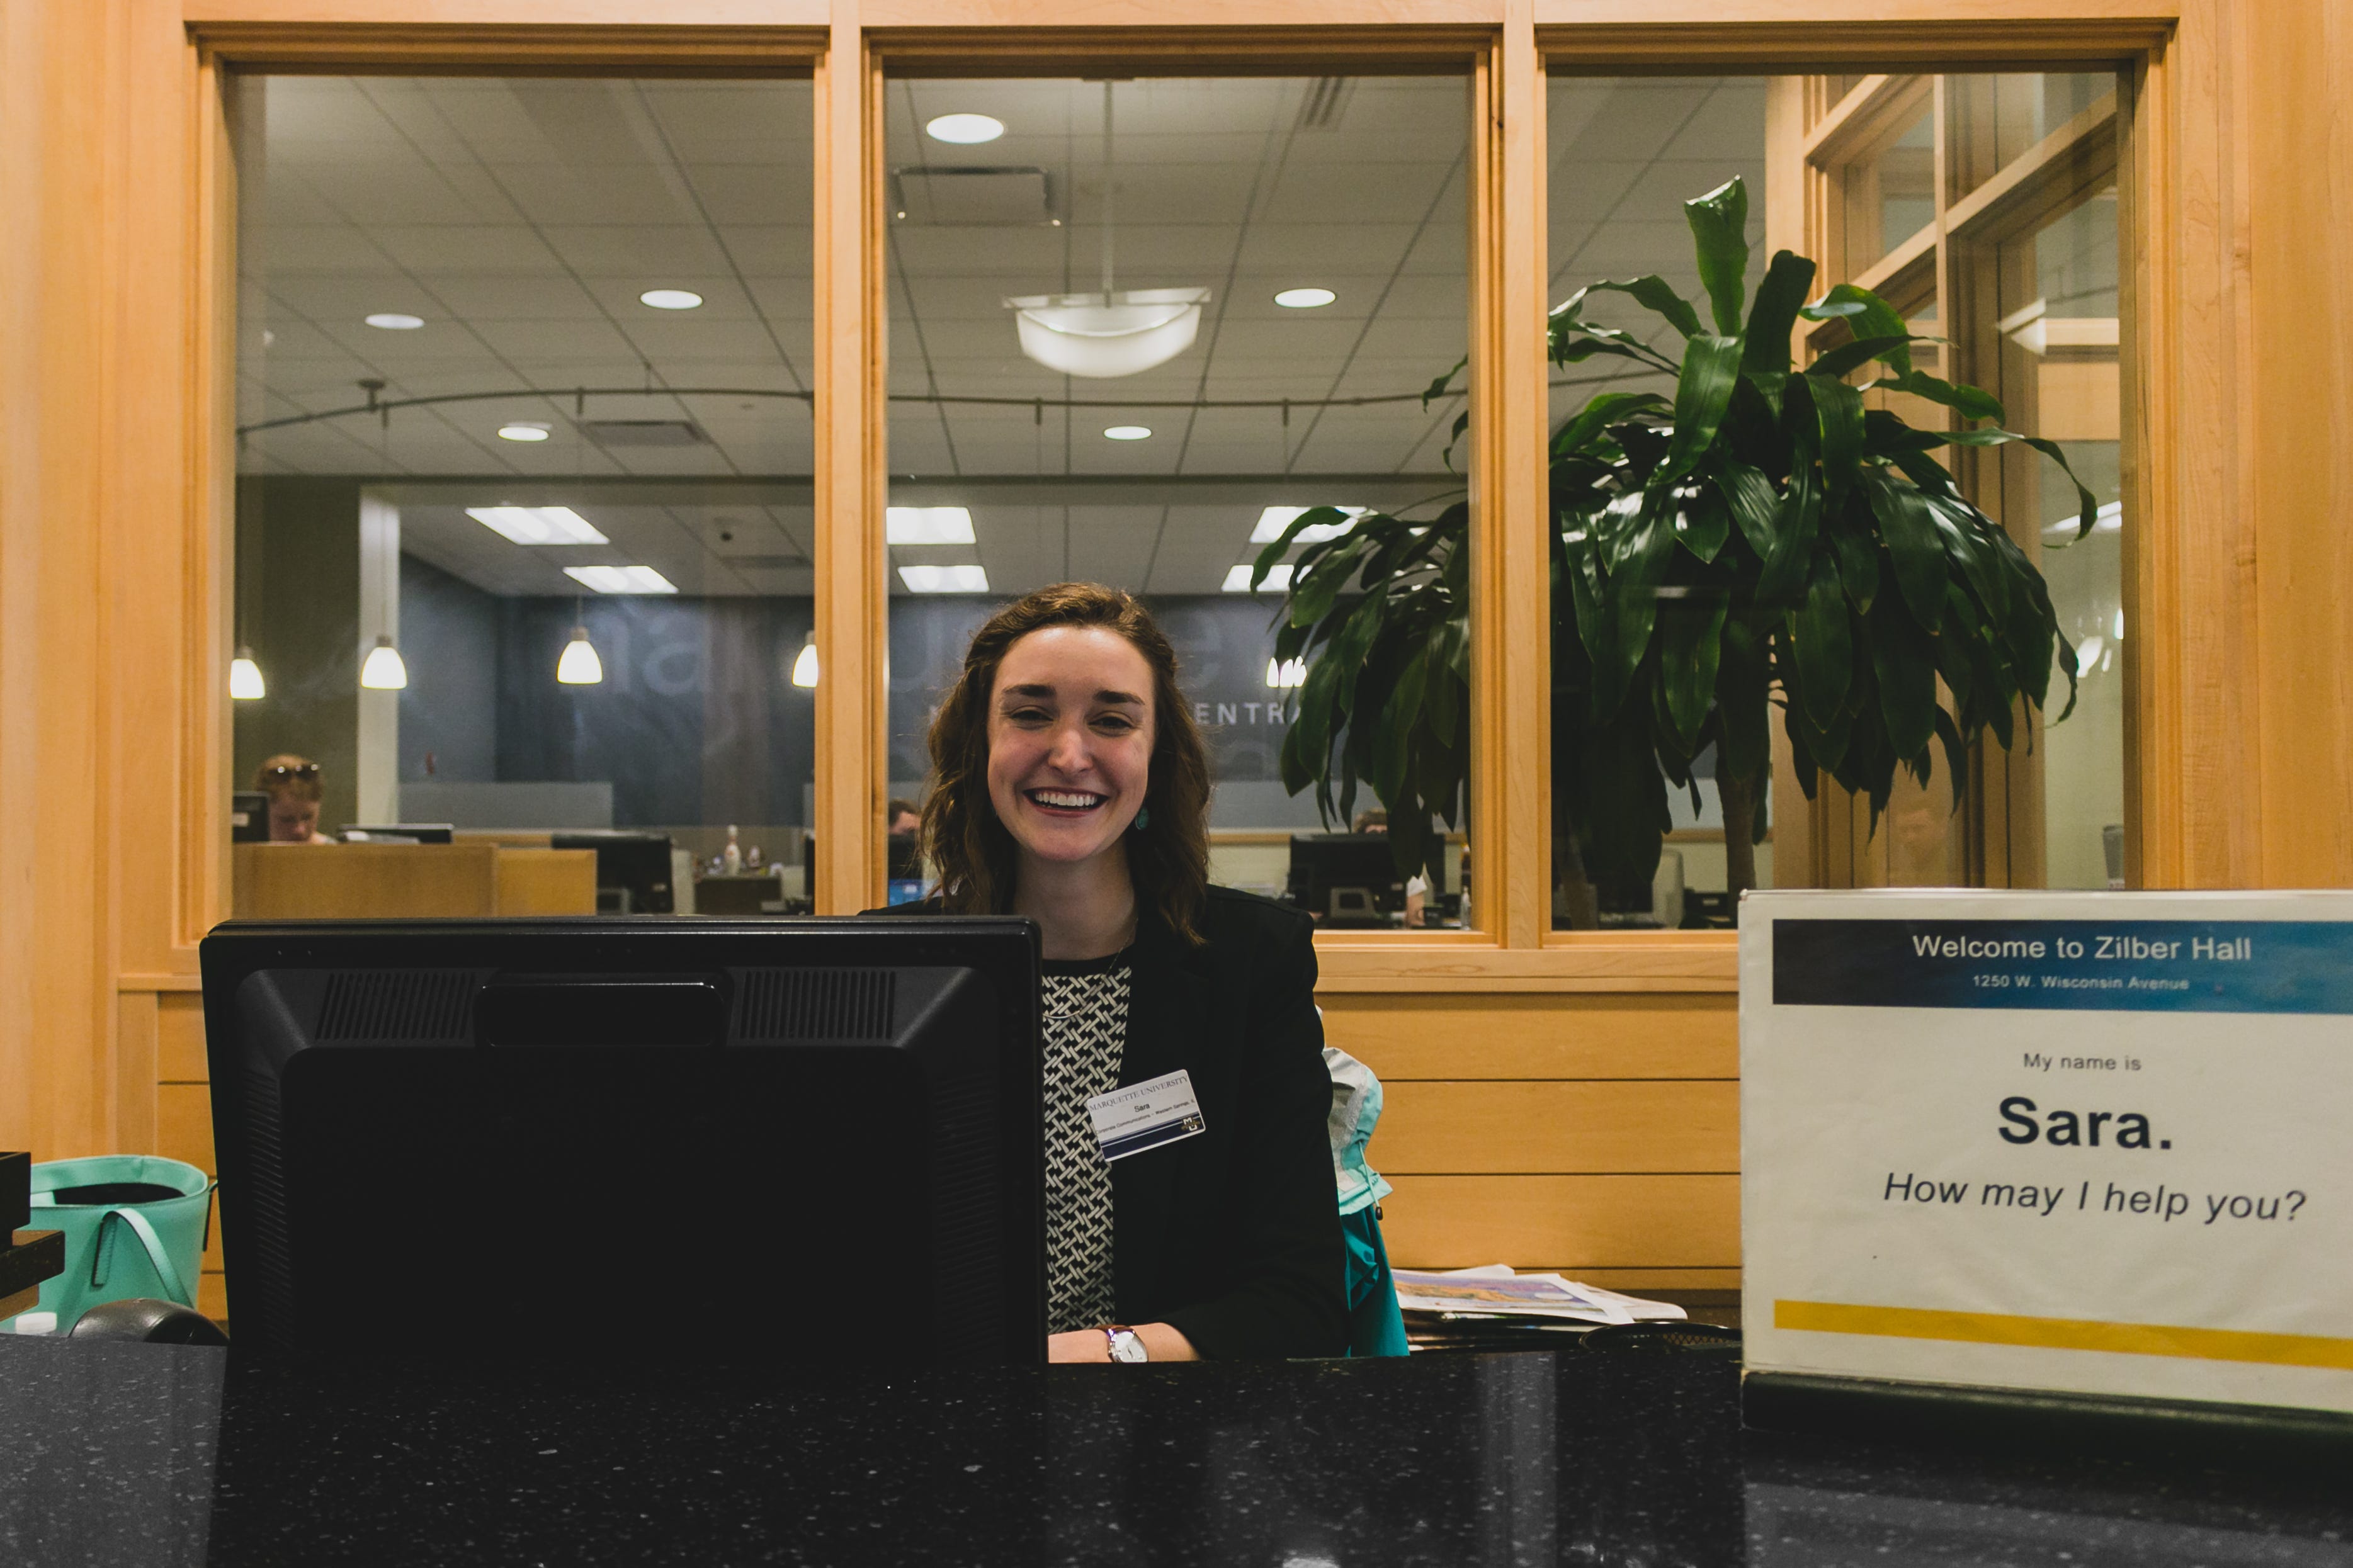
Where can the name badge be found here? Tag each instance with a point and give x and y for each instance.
(1145, 1115)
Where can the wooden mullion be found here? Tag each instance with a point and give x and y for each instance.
(1888, 273)
(852, 599)
(1868, 120)
(2061, 169)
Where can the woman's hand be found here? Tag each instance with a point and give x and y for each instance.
(1161, 1342)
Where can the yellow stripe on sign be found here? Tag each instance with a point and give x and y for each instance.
(2065, 1333)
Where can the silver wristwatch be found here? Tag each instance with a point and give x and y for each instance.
(1122, 1344)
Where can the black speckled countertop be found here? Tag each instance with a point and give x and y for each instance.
(130, 1455)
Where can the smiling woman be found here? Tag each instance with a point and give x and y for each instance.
(1072, 787)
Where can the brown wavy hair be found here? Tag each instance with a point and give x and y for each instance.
(1167, 859)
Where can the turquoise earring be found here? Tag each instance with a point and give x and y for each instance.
(1142, 820)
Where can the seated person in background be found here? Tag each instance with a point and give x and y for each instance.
(291, 782)
(904, 817)
(1072, 787)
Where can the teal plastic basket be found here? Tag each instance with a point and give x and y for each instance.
(115, 1251)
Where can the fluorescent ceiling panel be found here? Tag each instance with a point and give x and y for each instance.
(928, 526)
(537, 524)
(621, 579)
(965, 578)
(1238, 580)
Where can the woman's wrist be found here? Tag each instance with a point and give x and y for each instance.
(1162, 1342)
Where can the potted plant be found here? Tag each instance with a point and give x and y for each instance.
(1763, 540)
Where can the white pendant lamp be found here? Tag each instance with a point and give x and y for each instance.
(805, 664)
(580, 665)
(383, 671)
(245, 677)
(1108, 333)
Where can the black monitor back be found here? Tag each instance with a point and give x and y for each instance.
(635, 863)
(815, 1140)
(1360, 866)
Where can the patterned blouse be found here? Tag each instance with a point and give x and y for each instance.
(1085, 1034)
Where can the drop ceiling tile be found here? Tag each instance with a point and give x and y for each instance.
(654, 252)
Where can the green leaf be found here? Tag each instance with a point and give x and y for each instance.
(1314, 517)
(1633, 597)
(1795, 528)
(1827, 310)
(1824, 644)
(1912, 545)
(1905, 671)
(1844, 358)
(1690, 649)
(1952, 651)
(1839, 408)
(1875, 319)
(1399, 716)
(1436, 389)
(1701, 521)
(1711, 370)
(1651, 291)
(1741, 686)
(1971, 403)
(1765, 350)
(1957, 755)
(1600, 415)
(1753, 505)
(1719, 225)
(1857, 552)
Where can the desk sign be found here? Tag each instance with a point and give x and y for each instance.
(2096, 1143)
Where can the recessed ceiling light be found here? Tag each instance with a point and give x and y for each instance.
(964, 129)
(523, 430)
(1304, 299)
(1238, 579)
(537, 524)
(1128, 432)
(1275, 518)
(621, 579)
(945, 579)
(395, 321)
(928, 526)
(670, 298)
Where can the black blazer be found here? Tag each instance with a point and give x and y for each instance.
(1232, 1236)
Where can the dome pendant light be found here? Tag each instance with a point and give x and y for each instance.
(245, 677)
(383, 671)
(1108, 333)
(580, 665)
(805, 664)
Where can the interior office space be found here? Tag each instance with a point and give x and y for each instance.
(209, 448)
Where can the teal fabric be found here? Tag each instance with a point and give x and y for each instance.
(1356, 1111)
(1375, 1327)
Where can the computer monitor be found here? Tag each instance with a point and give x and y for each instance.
(249, 817)
(1345, 880)
(805, 1140)
(398, 832)
(904, 881)
(633, 870)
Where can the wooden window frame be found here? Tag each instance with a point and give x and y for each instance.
(1510, 45)
(1997, 838)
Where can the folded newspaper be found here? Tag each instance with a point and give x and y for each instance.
(1494, 1290)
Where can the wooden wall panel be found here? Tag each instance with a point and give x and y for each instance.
(1498, 1127)
(1476, 1035)
(2300, 56)
(180, 1038)
(1577, 1223)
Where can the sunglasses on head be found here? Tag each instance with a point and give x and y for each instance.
(300, 770)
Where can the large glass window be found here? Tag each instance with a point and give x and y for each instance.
(1137, 328)
(1980, 209)
(1625, 154)
(523, 505)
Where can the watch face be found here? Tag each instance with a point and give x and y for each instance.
(1125, 1346)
